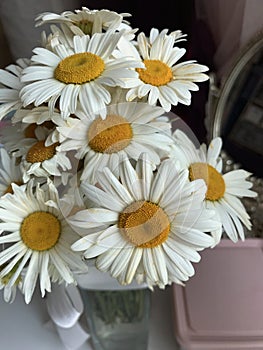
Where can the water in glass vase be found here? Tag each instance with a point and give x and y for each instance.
(118, 319)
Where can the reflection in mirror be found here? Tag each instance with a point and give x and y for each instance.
(235, 112)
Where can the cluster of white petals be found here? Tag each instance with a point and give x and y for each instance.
(90, 167)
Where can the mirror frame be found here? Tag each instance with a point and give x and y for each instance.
(218, 96)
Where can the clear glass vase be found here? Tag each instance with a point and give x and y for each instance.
(118, 319)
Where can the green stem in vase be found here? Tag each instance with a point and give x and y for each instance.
(119, 306)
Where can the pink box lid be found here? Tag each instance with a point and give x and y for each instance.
(221, 306)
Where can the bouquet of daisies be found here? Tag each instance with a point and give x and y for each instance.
(91, 167)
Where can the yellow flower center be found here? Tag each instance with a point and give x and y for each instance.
(213, 179)
(156, 73)
(86, 26)
(109, 135)
(39, 152)
(9, 187)
(40, 231)
(79, 68)
(144, 224)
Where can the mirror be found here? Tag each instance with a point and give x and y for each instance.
(235, 112)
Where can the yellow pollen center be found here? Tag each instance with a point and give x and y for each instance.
(109, 135)
(144, 224)
(156, 73)
(40, 231)
(9, 187)
(213, 179)
(79, 68)
(39, 152)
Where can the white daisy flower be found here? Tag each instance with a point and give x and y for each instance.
(9, 291)
(15, 137)
(10, 86)
(147, 221)
(38, 115)
(41, 160)
(38, 237)
(85, 21)
(10, 172)
(56, 35)
(64, 35)
(163, 79)
(223, 190)
(177, 35)
(76, 75)
(34, 147)
(129, 128)
(38, 118)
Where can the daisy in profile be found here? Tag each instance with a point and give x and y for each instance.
(129, 128)
(177, 35)
(76, 75)
(34, 148)
(37, 237)
(10, 86)
(17, 137)
(145, 222)
(85, 21)
(10, 172)
(224, 191)
(163, 79)
(9, 291)
(37, 115)
(42, 160)
(33, 120)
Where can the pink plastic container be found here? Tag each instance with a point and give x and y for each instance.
(221, 306)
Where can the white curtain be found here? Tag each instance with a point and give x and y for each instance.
(232, 23)
(18, 21)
